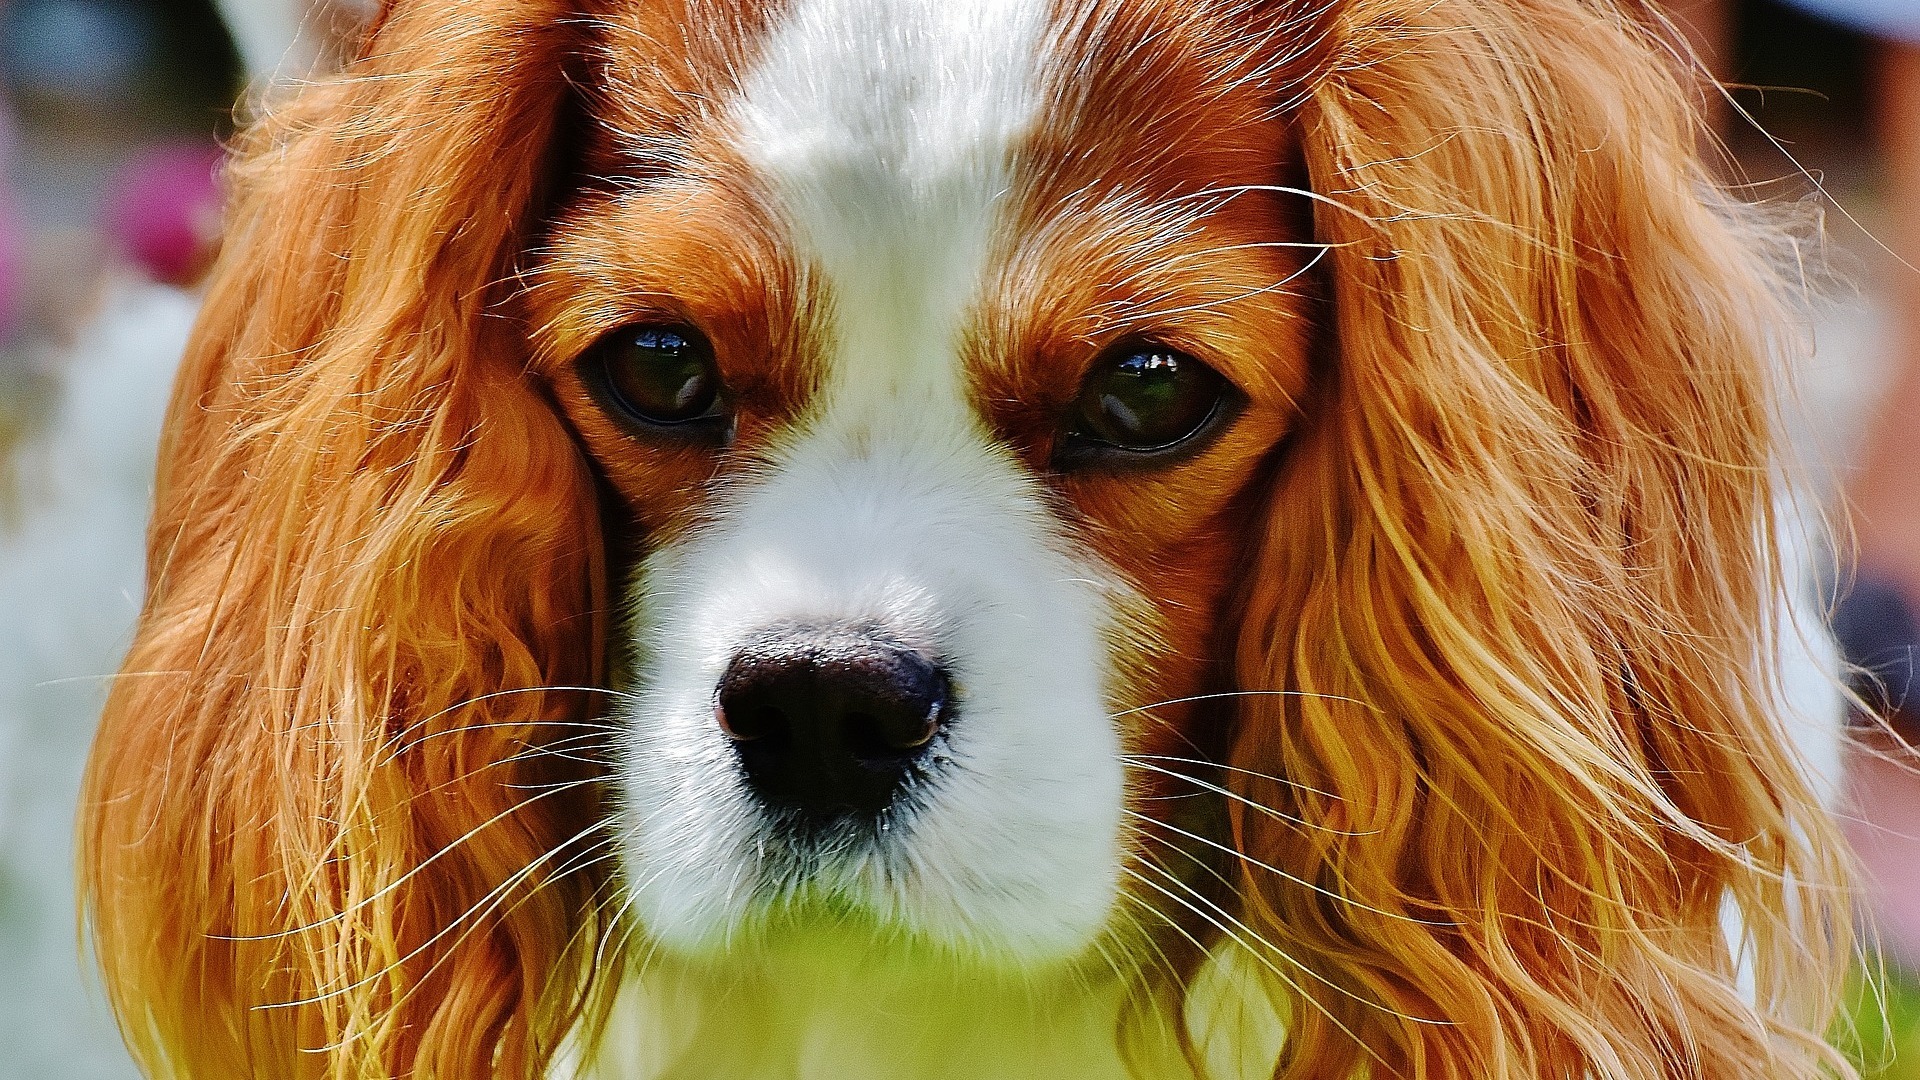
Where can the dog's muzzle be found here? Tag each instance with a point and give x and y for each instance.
(873, 685)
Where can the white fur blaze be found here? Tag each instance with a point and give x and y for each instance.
(882, 132)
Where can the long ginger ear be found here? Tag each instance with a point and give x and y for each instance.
(1515, 584)
(324, 832)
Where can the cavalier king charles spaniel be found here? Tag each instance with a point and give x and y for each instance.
(854, 539)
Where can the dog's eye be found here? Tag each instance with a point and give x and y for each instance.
(1143, 400)
(659, 375)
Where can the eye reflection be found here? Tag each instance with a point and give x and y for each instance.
(658, 375)
(1143, 399)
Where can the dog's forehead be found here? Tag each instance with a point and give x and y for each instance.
(914, 94)
(882, 135)
(867, 110)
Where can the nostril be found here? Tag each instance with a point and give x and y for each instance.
(748, 721)
(889, 737)
(905, 722)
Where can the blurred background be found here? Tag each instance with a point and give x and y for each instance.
(111, 116)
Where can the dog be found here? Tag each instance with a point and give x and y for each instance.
(971, 538)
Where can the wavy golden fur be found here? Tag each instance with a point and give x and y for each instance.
(1506, 575)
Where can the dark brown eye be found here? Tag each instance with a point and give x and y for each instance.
(659, 375)
(1143, 400)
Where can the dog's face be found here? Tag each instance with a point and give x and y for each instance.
(1128, 480)
(933, 351)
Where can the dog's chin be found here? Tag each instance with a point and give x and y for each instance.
(867, 891)
(833, 934)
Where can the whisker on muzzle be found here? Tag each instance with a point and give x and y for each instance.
(1236, 930)
(1146, 761)
(1276, 871)
(1225, 924)
(398, 743)
(492, 902)
(400, 882)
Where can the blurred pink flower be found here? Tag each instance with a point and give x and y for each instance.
(10, 260)
(12, 236)
(163, 212)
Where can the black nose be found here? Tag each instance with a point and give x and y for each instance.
(829, 721)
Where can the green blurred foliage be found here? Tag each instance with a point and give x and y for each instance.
(1880, 1032)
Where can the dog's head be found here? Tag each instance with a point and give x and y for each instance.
(1047, 487)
